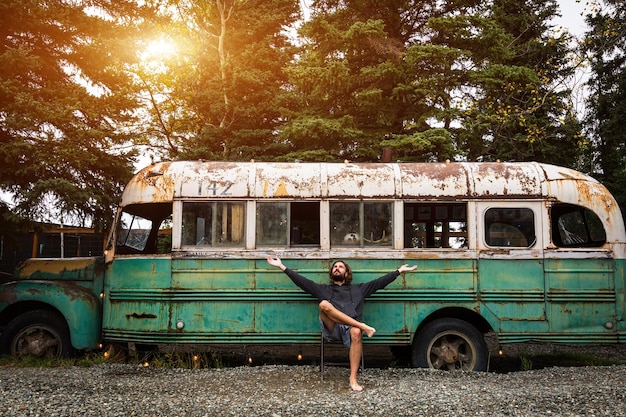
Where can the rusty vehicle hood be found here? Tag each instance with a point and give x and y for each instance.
(69, 269)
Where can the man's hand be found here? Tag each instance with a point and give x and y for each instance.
(276, 262)
(406, 267)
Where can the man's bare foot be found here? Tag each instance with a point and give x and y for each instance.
(355, 386)
(369, 331)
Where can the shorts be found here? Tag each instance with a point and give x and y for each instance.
(341, 333)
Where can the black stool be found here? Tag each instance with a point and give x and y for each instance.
(324, 341)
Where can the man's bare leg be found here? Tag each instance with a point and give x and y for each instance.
(331, 316)
(356, 352)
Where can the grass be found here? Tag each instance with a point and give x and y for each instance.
(191, 358)
(171, 359)
(187, 360)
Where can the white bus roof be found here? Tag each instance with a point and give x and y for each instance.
(166, 181)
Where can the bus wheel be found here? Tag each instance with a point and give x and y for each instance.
(450, 344)
(39, 333)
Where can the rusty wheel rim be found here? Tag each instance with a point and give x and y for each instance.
(37, 340)
(451, 350)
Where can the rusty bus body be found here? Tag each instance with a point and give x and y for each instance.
(526, 250)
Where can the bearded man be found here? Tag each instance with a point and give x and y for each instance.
(341, 306)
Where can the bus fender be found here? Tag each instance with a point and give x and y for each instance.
(80, 307)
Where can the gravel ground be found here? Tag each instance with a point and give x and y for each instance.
(288, 390)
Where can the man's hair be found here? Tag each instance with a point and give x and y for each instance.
(348, 271)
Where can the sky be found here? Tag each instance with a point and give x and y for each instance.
(571, 11)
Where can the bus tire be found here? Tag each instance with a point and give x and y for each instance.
(450, 344)
(38, 333)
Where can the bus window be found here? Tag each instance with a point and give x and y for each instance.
(361, 224)
(142, 227)
(575, 226)
(510, 227)
(272, 224)
(435, 225)
(133, 232)
(305, 224)
(288, 224)
(213, 224)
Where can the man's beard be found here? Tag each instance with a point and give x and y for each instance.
(338, 277)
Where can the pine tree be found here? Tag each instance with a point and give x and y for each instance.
(64, 102)
(433, 80)
(221, 94)
(604, 43)
(519, 108)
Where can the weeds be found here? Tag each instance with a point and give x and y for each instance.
(34, 362)
(114, 354)
(187, 360)
(527, 363)
(202, 357)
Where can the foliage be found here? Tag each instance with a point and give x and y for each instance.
(346, 77)
(89, 87)
(64, 104)
(466, 80)
(604, 45)
(518, 109)
(220, 95)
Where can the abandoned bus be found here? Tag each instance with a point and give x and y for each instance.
(527, 251)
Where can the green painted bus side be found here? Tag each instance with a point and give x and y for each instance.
(244, 301)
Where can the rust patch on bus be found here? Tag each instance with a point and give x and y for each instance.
(10, 294)
(54, 266)
(141, 316)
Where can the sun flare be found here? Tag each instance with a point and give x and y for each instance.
(159, 49)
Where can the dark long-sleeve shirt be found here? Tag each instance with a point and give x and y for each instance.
(347, 298)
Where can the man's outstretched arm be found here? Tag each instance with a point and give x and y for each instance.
(316, 290)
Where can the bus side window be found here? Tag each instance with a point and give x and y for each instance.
(304, 228)
(272, 224)
(361, 224)
(213, 224)
(288, 224)
(575, 226)
(440, 225)
(510, 227)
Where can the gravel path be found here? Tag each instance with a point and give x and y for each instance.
(281, 390)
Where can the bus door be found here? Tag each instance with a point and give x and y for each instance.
(137, 288)
(580, 279)
(511, 284)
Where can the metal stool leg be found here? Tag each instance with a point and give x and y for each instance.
(322, 364)
(322, 355)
